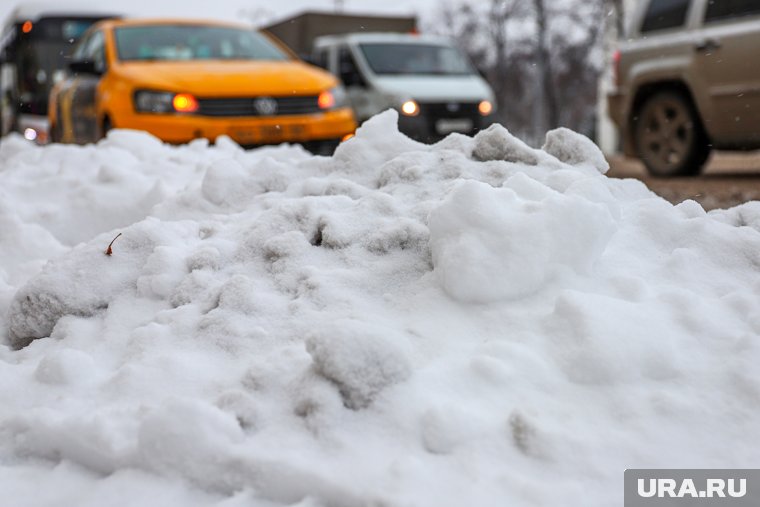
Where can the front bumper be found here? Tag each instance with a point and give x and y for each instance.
(247, 131)
(429, 128)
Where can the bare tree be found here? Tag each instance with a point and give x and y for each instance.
(542, 58)
(546, 107)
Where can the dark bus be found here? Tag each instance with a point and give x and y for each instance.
(35, 46)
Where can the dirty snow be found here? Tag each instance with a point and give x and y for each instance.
(475, 322)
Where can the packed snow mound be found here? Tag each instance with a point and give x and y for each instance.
(485, 247)
(398, 324)
(359, 360)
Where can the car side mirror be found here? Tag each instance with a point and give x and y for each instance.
(84, 67)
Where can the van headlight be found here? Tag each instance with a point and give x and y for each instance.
(404, 104)
(410, 108)
(332, 98)
(485, 107)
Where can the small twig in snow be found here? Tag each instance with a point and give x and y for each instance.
(108, 250)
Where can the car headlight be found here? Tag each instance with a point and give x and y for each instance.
(410, 108)
(332, 98)
(404, 104)
(147, 101)
(485, 107)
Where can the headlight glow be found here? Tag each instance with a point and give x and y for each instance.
(410, 108)
(485, 107)
(147, 101)
(332, 98)
(185, 103)
(326, 100)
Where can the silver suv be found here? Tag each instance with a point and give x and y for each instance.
(688, 81)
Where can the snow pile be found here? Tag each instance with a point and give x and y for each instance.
(470, 323)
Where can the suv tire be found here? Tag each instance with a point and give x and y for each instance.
(669, 137)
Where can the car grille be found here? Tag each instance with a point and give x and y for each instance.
(450, 109)
(434, 111)
(246, 106)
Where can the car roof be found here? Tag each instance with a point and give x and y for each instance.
(115, 23)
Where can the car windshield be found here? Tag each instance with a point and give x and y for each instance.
(394, 58)
(193, 42)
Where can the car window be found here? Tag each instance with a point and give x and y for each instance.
(193, 42)
(665, 14)
(320, 57)
(719, 10)
(95, 51)
(79, 52)
(347, 69)
(414, 58)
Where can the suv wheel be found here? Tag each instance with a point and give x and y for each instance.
(669, 137)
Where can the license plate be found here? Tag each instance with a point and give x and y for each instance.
(267, 134)
(447, 126)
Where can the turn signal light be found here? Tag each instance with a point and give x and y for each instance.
(185, 103)
(27, 27)
(485, 107)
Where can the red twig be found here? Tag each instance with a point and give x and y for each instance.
(108, 250)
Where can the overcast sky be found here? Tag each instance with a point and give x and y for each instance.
(242, 10)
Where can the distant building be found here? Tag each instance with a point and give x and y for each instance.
(298, 32)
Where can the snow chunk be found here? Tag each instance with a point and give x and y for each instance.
(85, 281)
(376, 141)
(496, 143)
(193, 438)
(66, 366)
(142, 144)
(490, 244)
(359, 360)
(575, 149)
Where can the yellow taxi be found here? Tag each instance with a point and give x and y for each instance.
(181, 80)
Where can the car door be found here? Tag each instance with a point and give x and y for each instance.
(357, 87)
(83, 99)
(726, 59)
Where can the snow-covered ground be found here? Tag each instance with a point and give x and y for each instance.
(470, 323)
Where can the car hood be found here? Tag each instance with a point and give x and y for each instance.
(228, 78)
(436, 88)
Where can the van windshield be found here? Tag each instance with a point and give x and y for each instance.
(193, 42)
(414, 59)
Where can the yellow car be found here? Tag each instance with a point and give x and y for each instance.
(182, 80)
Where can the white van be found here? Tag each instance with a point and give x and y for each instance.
(430, 82)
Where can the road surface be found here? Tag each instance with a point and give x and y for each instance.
(729, 179)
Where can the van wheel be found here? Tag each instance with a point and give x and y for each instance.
(669, 137)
